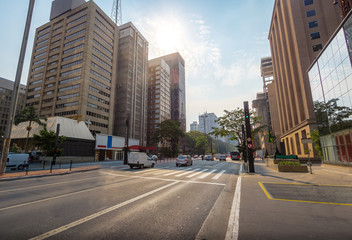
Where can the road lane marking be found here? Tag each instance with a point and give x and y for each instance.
(187, 172)
(44, 185)
(98, 214)
(234, 220)
(60, 196)
(174, 172)
(269, 196)
(207, 174)
(168, 179)
(216, 177)
(195, 174)
(144, 171)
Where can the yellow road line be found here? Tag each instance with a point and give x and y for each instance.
(310, 184)
(268, 195)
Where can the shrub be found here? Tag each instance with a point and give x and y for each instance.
(289, 163)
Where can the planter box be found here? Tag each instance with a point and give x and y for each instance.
(283, 168)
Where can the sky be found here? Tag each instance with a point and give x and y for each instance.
(221, 42)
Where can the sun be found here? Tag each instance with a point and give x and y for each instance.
(168, 36)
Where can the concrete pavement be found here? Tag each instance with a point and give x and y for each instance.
(281, 205)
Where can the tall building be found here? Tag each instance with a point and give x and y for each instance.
(298, 31)
(207, 122)
(178, 88)
(73, 69)
(194, 126)
(159, 103)
(330, 77)
(132, 84)
(6, 90)
(344, 5)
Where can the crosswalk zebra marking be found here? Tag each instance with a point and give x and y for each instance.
(207, 174)
(188, 172)
(194, 174)
(216, 177)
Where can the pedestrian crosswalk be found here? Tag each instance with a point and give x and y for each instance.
(198, 173)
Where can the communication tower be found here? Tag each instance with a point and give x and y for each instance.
(116, 13)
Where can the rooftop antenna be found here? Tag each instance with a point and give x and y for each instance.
(116, 12)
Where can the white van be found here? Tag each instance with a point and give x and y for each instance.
(140, 160)
(17, 160)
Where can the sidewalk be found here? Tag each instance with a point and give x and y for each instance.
(46, 172)
(282, 205)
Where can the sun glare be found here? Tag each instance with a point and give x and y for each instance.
(168, 36)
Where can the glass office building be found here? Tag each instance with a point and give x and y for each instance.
(330, 78)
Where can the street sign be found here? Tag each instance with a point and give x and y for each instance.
(249, 145)
(249, 139)
(306, 140)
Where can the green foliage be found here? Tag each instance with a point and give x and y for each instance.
(46, 142)
(14, 149)
(231, 125)
(289, 163)
(332, 117)
(28, 114)
(316, 141)
(168, 134)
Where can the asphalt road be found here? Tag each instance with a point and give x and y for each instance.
(165, 202)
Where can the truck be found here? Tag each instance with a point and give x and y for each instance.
(17, 161)
(140, 160)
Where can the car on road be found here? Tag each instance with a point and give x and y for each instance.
(208, 158)
(140, 160)
(235, 155)
(222, 158)
(17, 161)
(184, 160)
(153, 157)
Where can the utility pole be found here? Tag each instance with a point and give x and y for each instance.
(244, 145)
(249, 137)
(125, 159)
(12, 112)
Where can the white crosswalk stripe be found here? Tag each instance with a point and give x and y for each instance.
(194, 174)
(207, 174)
(175, 172)
(188, 172)
(216, 177)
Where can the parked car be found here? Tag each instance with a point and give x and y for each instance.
(184, 160)
(222, 158)
(17, 160)
(208, 158)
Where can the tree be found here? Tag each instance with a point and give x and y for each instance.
(46, 141)
(231, 124)
(332, 117)
(28, 114)
(168, 135)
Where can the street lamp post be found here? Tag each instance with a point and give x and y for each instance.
(6, 144)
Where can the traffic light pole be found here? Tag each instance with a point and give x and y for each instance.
(249, 138)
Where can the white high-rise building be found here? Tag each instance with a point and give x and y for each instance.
(207, 122)
(194, 126)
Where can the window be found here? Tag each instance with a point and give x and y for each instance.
(311, 13)
(308, 2)
(317, 47)
(315, 35)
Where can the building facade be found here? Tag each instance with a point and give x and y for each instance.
(73, 69)
(6, 90)
(207, 122)
(330, 78)
(159, 99)
(178, 88)
(194, 126)
(298, 31)
(132, 84)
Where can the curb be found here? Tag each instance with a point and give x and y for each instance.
(5, 179)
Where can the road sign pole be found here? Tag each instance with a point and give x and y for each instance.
(249, 138)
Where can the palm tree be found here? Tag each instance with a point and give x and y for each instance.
(28, 114)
